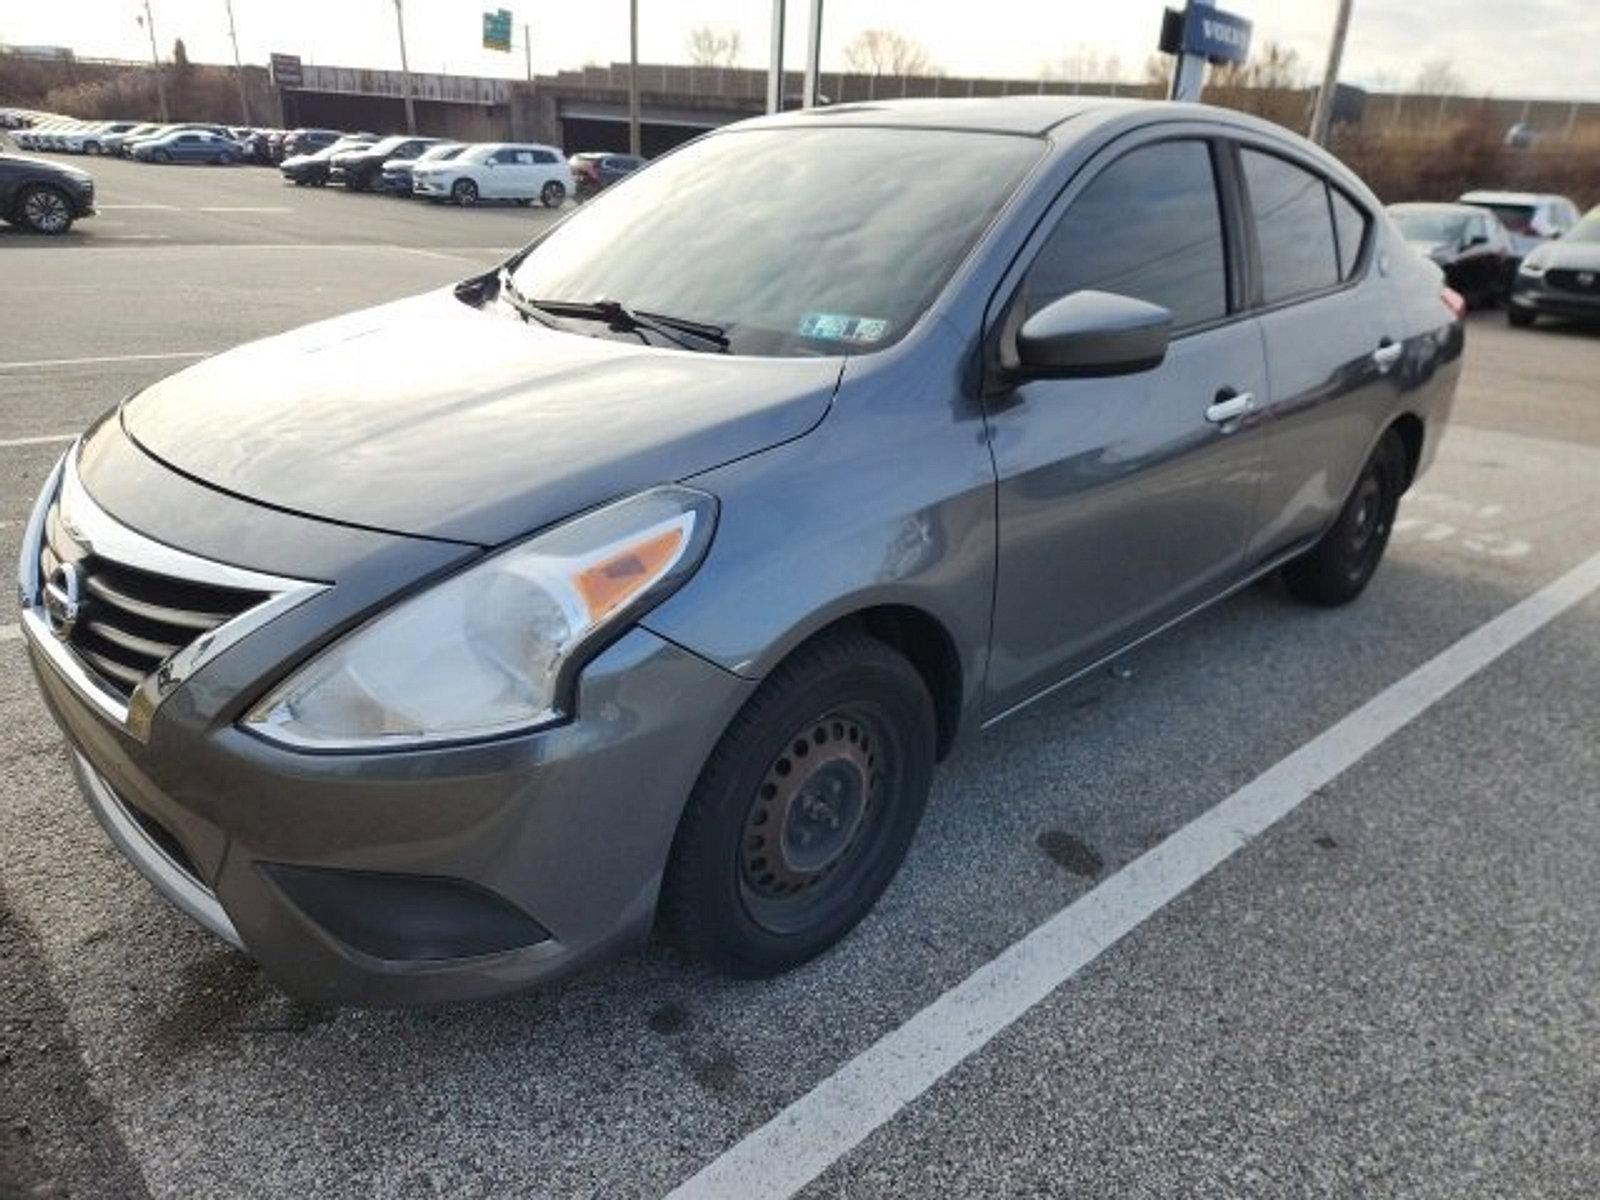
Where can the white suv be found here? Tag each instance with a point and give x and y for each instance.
(520, 171)
(1532, 217)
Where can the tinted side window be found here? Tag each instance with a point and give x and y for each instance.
(1148, 226)
(1350, 224)
(543, 156)
(1293, 227)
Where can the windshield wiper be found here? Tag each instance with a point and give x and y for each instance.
(619, 316)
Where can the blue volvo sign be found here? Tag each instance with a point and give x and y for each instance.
(1216, 36)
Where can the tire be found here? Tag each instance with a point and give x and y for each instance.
(1520, 318)
(1338, 568)
(90, 148)
(464, 192)
(804, 810)
(44, 209)
(552, 194)
(161, 156)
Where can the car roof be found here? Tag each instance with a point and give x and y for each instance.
(1417, 206)
(1486, 197)
(1034, 115)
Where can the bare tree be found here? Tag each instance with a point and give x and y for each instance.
(1439, 77)
(887, 52)
(1274, 67)
(1084, 64)
(713, 46)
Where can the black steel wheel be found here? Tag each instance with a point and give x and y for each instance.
(1338, 568)
(804, 810)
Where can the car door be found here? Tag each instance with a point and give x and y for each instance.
(1334, 340)
(189, 146)
(497, 180)
(1479, 265)
(1124, 502)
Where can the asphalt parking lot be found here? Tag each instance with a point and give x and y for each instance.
(1388, 985)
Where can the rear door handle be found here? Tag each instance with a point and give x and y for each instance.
(1387, 354)
(1229, 406)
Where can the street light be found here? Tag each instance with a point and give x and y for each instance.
(149, 22)
(238, 67)
(405, 69)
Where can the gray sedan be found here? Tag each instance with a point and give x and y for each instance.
(726, 510)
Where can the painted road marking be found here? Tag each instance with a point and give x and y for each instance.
(822, 1126)
(44, 440)
(245, 208)
(103, 358)
(136, 208)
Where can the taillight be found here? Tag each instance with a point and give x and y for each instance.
(1455, 302)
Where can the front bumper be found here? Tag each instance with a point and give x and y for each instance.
(402, 877)
(1537, 294)
(429, 186)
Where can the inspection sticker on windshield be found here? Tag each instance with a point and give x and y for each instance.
(840, 327)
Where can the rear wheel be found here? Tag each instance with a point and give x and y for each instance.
(552, 194)
(44, 209)
(464, 193)
(804, 810)
(1338, 568)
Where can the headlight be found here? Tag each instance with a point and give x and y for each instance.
(493, 649)
(1532, 269)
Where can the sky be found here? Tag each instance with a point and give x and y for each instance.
(1542, 48)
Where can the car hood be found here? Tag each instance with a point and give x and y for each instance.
(1570, 256)
(1433, 250)
(435, 418)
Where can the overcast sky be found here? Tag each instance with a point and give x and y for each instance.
(1500, 47)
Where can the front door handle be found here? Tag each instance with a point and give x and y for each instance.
(1229, 406)
(1387, 354)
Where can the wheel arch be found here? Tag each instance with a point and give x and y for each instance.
(1412, 432)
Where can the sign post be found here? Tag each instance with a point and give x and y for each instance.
(1201, 33)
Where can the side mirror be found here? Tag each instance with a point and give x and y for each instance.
(1093, 334)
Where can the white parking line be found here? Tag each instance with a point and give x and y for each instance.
(244, 208)
(44, 440)
(822, 1126)
(136, 207)
(102, 358)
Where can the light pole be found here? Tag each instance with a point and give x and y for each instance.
(775, 61)
(405, 69)
(634, 140)
(238, 67)
(1322, 115)
(813, 76)
(527, 48)
(149, 23)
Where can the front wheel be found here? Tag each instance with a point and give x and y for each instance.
(552, 194)
(464, 193)
(1521, 318)
(804, 811)
(45, 210)
(1338, 568)
(161, 156)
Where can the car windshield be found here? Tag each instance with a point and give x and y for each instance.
(1517, 217)
(1586, 230)
(437, 153)
(793, 241)
(1425, 226)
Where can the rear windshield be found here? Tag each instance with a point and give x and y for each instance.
(795, 241)
(1516, 217)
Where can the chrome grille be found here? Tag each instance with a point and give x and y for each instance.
(132, 620)
(1586, 282)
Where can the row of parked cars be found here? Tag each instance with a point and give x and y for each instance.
(1534, 252)
(464, 173)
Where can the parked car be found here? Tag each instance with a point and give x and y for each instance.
(90, 139)
(595, 170)
(523, 172)
(1469, 243)
(309, 141)
(217, 131)
(1560, 278)
(12, 119)
(311, 170)
(1531, 217)
(188, 146)
(116, 143)
(361, 169)
(256, 146)
(396, 176)
(422, 676)
(42, 196)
